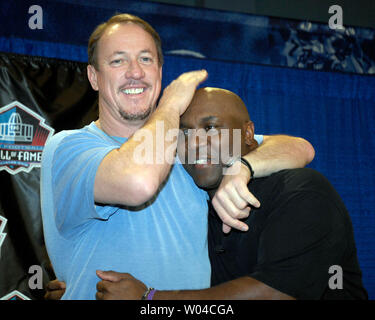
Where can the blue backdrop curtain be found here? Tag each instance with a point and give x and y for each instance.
(296, 78)
(208, 34)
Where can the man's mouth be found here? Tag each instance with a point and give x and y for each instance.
(133, 91)
(201, 161)
(133, 88)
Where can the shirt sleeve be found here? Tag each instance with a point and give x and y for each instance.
(299, 244)
(75, 159)
(258, 138)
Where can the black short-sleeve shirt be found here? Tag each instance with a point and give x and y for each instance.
(301, 230)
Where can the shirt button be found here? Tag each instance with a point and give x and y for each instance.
(219, 249)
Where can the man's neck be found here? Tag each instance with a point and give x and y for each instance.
(211, 193)
(118, 129)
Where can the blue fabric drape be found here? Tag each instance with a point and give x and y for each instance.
(67, 24)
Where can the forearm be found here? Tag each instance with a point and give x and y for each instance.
(225, 291)
(124, 286)
(245, 288)
(153, 147)
(280, 152)
(131, 174)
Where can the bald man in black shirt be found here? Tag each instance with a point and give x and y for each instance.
(299, 232)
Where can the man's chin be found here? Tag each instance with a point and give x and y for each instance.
(140, 116)
(208, 184)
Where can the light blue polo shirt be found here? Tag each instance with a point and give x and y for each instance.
(164, 244)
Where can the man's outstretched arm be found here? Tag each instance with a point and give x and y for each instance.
(232, 200)
(123, 286)
(280, 152)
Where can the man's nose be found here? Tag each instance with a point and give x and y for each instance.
(197, 145)
(134, 70)
(197, 138)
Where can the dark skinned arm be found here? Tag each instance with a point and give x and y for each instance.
(245, 288)
(124, 286)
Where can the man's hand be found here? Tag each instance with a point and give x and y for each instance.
(118, 286)
(233, 199)
(276, 153)
(180, 91)
(55, 289)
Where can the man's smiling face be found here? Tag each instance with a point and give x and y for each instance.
(207, 143)
(129, 75)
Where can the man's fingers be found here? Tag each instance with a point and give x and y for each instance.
(180, 92)
(196, 75)
(236, 197)
(55, 285)
(99, 295)
(100, 286)
(232, 201)
(227, 219)
(111, 275)
(226, 228)
(191, 78)
(236, 209)
(247, 196)
(54, 295)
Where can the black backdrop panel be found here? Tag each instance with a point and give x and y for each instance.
(59, 92)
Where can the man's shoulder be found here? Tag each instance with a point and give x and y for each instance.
(303, 195)
(87, 131)
(69, 143)
(75, 136)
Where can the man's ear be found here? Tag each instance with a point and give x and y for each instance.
(249, 135)
(161, 72)
(91, 75)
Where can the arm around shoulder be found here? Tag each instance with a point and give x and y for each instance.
(123, 286)
(297, 146)
(278, 152)
(244, 288)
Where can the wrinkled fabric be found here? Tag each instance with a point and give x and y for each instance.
(193, 32)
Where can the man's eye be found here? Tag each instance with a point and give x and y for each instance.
(185, 132)
(116, 61)
(211, 129)
(146, 59)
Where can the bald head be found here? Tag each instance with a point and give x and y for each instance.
(217, 101)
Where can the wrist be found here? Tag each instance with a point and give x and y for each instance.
(148, 294)
(169, 106)
(247, 164)
(242, 166)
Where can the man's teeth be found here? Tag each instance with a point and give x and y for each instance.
(133, 90)
(201, 161)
